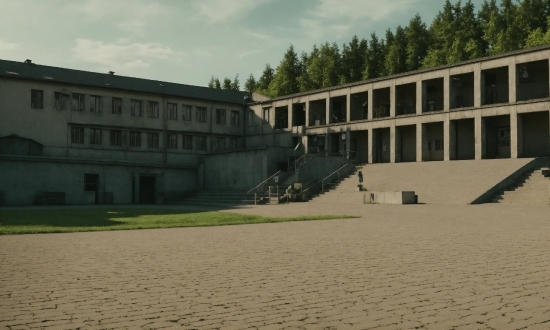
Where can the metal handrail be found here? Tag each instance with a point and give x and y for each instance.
(263, 182)
(331, 174)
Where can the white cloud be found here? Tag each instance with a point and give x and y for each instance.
(258, 35)
(251, 52)
(221, 10)
(112, 56)
(5, 45)
(130, 16)
(336, 18)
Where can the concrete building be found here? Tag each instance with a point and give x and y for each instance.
(493, 107)
(77, 137)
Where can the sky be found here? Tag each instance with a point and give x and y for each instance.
(188, 41)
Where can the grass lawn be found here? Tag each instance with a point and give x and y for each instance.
(73, 220)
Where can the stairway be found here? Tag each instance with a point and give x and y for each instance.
(533, 188)
(332, 191)
(222, 198)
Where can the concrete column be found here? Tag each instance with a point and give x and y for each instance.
(328, 108)
(348, 142)
(479, 128)
(370, 144)
(516, 135)
(449, 139)
(425, 154)
(392, 99)
(307, 112)
(419, 97)
(424, 98)
(290, 113)
(393, 143)
(370, 104)
(477, 85)
(512, 80)
(446, 91)
(305, 143)
(419, 141)
(348, 106)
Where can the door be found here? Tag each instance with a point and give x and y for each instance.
(146, 189)
(91, 183)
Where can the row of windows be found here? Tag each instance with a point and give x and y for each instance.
(76, 102)
(173, 139)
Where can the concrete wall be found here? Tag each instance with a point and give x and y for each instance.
(22, 178)
(320, 167)
(242, 170)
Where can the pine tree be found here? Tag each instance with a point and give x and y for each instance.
(217, 84)
(265, 80)
(250, 84)
(236, 85)
(353, 60)
(374, 63)
(417, 43)
(211, 82)
(286, 76)
(226, 83)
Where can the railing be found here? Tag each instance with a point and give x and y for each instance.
(334, 174)
(262, 189)
(311, 188)
(299, 162)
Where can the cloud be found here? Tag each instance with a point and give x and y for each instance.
(215, 11)
(336, 18)
(130, 16)
(251, 52)
(121, 54)
(5, 45)
(258, 35)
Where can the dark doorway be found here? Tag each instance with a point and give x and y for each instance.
(146, 189)
(91, 183)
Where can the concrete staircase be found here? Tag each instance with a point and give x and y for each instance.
(333, 191)
(532, 188)
(222, 198)
(444, 182)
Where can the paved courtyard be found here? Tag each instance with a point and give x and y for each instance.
(395, 267)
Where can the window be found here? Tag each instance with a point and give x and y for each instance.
(95, 136)
(136, 108)
(172, 111)
(201, 115)
(135, 139)
(61, 101)
(186, 110)
(201, 143)
(116, 138)
(95, 103)
(235, 118)
(152, 109)
(152, 140)
(220, 116)
(37, 99)
(187, 142)
(77, 135)
(78, 102)
(172, 141)
(266, 114)
(219, 144)
(117, 106)
(232, 143)
(438, 144)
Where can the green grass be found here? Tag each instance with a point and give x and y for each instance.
(75, 220)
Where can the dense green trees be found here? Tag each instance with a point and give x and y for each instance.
(456, 34)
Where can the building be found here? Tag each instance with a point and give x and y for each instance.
(77, 137)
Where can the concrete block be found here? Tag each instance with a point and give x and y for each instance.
(390, 197)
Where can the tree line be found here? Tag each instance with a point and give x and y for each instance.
(456, 34)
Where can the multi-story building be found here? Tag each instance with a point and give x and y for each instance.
(493, 107)
(104, 138)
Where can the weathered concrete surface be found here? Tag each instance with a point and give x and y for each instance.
(396, 267)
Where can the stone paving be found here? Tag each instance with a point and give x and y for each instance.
(396, 267)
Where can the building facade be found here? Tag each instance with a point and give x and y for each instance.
(76, 137)
(493, 107)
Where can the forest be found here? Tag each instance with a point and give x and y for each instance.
(456, 34)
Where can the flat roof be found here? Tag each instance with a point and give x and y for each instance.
(37, 72)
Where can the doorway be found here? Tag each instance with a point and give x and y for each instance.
(146, 189)
(91, 183)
